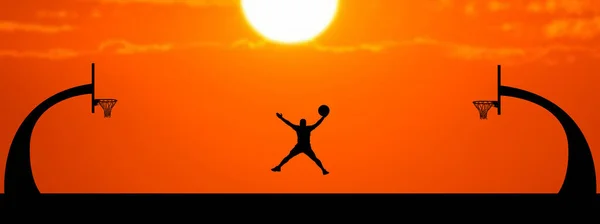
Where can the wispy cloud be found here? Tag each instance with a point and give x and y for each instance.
(184, 2)
(368, 47)
(567, 7)
(109, 46)
(496, 5)
(449, 49)
(125, 47)
(474, 7)
(452, 50)
(467, 51)
(564, 6)
(373, 47)
(52, 54)
(60, 14)
(13, 26)
(516, 55)
(128, 48)
(470, 9)
(580, 28)
(443, 4)
(245, 43)
(508, 55)
(470, 52)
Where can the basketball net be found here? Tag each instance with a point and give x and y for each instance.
(107, 105)
(483, 107)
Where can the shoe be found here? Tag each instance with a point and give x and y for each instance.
(276, 169)
(325, 172)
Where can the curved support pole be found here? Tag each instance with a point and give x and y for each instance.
(581, 173)
(18, 176)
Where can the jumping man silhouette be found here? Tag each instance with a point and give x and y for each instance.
(303, 145)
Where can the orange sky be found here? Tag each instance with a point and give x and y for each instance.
(198, 91)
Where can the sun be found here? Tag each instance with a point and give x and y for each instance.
(289, 21)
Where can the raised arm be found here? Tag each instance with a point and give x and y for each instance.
(318, 123)
(280, 116)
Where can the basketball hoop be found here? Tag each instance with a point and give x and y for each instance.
(107, 105)
(483, 106)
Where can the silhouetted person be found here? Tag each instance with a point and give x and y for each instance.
(303, 144)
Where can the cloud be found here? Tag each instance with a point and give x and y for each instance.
(368, 47)
(12, 26)
(495, 5)
(374, 47)
(443, 4)
(245, 43)
(573, 28)
(505, 55)
(565, 6)
(53, 54)
(125, 47)
(449, 49)
(545, 54)
(470, 8)
(454, 50)
(557, 54)
(540, 6)
(218, 3)
(109, 46)
(61, 14)
(469, 52)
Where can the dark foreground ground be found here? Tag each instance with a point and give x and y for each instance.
(291, 201)
(305, 208)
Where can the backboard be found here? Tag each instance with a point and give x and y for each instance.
(94, 102)
(483, 106)
(498, 95)
(106, 104)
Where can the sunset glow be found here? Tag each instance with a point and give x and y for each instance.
(199, 84)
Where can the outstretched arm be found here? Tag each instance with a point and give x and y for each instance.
(318, 123)
(288, 122)
(280, 116)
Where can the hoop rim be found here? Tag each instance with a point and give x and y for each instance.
(485, 102)
(97, 101)
(106, 99)
(495, 104)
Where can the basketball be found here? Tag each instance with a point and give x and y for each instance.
(323, 110)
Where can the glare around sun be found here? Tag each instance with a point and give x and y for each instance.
(289, 21)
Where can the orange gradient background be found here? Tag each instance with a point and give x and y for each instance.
(198, 91)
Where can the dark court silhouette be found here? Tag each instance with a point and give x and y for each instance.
(19, 182)
(303, 145)
(580, 179)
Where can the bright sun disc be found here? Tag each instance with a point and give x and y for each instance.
(289, 21)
